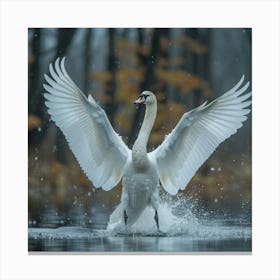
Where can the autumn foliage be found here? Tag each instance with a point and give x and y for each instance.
(152, 60)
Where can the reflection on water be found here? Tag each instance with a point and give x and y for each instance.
(140, 244)
(186, 233)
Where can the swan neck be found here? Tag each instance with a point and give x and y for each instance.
(139, 150)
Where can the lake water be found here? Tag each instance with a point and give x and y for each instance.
(84, 240)
(182, 232)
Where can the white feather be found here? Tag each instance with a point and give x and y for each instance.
(99, 150)
(197, 135)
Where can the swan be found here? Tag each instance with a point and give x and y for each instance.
(105, 158)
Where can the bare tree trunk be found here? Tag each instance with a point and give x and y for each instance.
(148, 82)
(87, 58)
(35, 85)
(65, 36)
(111, 66)
(198, 64)
(34, 74)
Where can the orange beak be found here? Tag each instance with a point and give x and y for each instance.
(140, 100)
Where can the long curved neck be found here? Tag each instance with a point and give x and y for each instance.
(139, 150)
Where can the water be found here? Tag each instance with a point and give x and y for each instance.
(182, 229)
(76, 239)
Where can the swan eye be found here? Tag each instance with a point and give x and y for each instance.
(142, 98)
(144, 95)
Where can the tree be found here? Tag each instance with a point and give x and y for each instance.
(149, 78)
(111, 105)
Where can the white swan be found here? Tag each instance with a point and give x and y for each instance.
(106, 159)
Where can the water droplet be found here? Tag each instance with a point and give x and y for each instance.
(36, 158)
(39, 129)
(212, 168)
(89, 194)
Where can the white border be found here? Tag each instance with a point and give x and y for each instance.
(17, 16)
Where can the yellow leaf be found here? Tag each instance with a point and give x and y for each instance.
(33, 122)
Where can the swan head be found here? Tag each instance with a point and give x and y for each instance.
(146, 97)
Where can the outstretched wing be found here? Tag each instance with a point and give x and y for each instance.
(197, 135)
(100, 152)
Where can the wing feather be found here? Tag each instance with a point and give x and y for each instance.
(100, 152)
(197, 135)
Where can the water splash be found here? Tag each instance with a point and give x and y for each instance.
(178, 216)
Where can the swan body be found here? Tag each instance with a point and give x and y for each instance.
(106, 159)
(139, 190)
(140, 179)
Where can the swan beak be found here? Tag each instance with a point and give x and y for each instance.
(140, 100)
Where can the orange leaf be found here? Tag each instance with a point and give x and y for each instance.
(34, 122)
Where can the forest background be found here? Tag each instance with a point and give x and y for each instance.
(182, 66)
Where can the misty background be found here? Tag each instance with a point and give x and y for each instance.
(183, 67)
